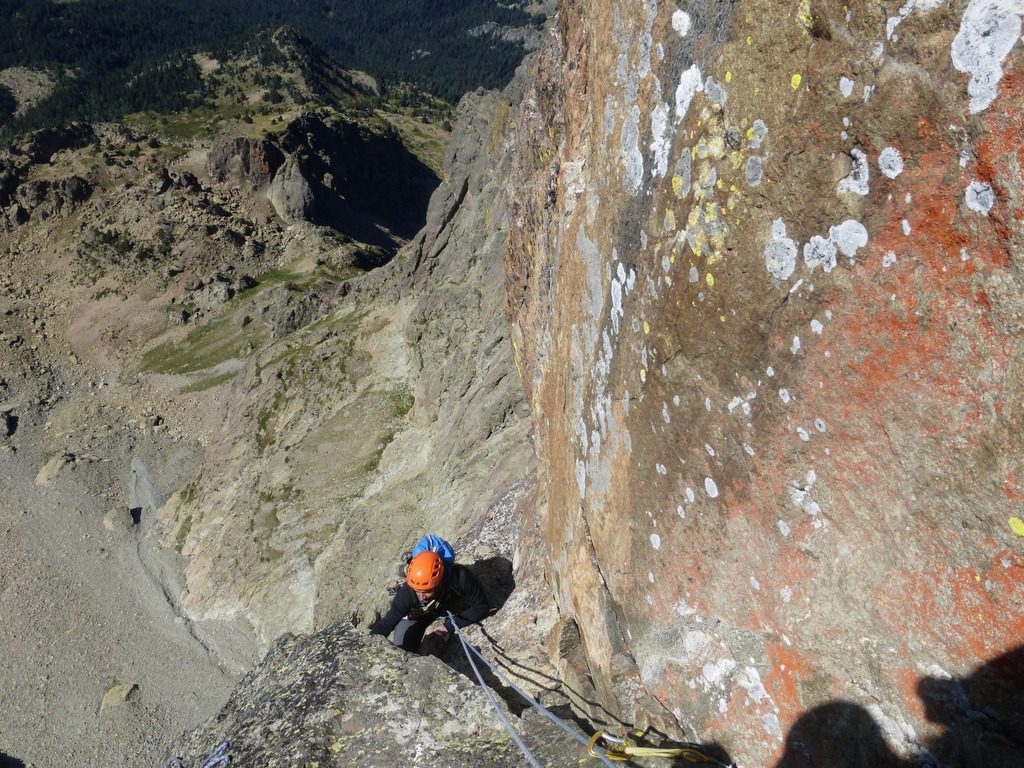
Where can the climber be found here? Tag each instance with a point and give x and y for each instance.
(432, 589)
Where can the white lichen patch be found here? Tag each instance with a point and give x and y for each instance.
(846, 86)
(690, 84)
(632, 158)
(713, 673)
(857, 180)
(757, 133)
(849, 237)
(750, 681)
(710, 487)
(661, 140)
(820, 252)
(681, 22)
(780, 253)
(980, 197)
(754, 170)
(988, 31)
(890, 162)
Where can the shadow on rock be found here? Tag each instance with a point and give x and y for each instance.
(495, 576)
(982, 717)
(6, 761)
(359, 179)
(840, 734)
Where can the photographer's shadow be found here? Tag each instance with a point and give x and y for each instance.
(981, 715)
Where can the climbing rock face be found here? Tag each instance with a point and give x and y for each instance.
(340, 698)
(765, 284)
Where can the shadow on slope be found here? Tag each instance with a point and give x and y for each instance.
(981, 716)
(363, 180)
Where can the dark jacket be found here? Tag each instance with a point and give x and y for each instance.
(461, 594)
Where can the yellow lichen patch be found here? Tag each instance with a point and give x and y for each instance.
(750, 133)
(710, 280)
(716, 146)
(1017, 526)
(647, 328)
(643, 374)
(704, 175)
(749, 39)
(803, 13)
(736, 159)
(722, 318)
(677, 186)
(728, 77)
(795, 81)
(669, 223)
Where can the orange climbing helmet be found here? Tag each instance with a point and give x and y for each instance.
(425, 571)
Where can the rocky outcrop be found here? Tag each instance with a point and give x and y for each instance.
(765, 277)
(356, 177)
(45, 198)
(40, 146)
(244, 161)
(291, 193)
(21, 196)
(339, 698)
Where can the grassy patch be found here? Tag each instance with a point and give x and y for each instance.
(373, 464)
(401, 400)
(264, 432)
(217, 341)
(205, 121)
(182, 536)
(208, 382)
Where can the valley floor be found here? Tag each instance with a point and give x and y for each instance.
(84, 612)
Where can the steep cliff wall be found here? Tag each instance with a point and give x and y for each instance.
(765, 284)
(381, 408)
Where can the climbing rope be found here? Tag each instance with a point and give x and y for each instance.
(494, 703)
(471, 651)
(219, 758)
(601, 745)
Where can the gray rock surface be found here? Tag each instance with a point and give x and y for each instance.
(342, 698)
(291, 193)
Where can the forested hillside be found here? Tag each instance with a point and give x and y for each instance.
(111, 57)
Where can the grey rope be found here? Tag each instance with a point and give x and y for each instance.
(490, 695)
(532, 701)
(219, 758)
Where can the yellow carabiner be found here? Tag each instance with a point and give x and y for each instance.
(621, 750)
(610, 751)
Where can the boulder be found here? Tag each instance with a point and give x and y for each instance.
(291, 193)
